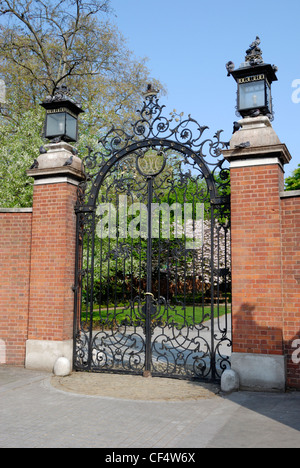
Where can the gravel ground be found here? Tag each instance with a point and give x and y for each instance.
(130, 387)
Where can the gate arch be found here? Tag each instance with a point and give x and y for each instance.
(145, 303)
(148, 143)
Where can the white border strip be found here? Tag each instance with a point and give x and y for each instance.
(56, 180)
(255, 162)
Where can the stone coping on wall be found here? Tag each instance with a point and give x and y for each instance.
(290, 194)
(15, 210)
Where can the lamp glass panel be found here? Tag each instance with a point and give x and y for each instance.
(71, 127)
(55, 124)
(269, 98)
(252, 95)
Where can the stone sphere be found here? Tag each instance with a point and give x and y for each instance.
(62, 367)
(230, 381)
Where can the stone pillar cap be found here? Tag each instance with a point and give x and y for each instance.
(58, 159)
(256, 139)
(258, 131)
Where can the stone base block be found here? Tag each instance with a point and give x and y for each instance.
(260, 372)
(42, 355)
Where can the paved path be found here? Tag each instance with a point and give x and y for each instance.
(35, 413)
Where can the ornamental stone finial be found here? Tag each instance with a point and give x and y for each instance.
(254, 53)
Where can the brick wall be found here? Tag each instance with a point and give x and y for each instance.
(37, 258)
(291, 284)
(256, 259)
(52, 262)
(15, 249)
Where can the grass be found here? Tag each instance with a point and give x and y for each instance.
(185, 317)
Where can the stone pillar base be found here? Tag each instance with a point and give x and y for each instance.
(260, 372)
(42, 355)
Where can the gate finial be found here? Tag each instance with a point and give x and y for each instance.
(151, 91)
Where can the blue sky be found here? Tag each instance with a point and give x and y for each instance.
(189, 42)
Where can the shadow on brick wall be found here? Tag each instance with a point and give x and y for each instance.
(251, 336)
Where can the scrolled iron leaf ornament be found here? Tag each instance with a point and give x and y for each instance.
(154, 128)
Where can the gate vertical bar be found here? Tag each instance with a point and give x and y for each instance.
(212, 321)
(149, 295)
(77, 290)
(90, 346)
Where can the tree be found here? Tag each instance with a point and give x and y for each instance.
(293, 182)
(19, 146)
(53, 40)
(44, 44)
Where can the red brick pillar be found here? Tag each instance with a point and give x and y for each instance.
(257, 178)
(50, 323)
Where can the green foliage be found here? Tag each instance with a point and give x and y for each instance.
(120, 264)
(293, 182)
(46, 44)
(111, 317)
(19, 146)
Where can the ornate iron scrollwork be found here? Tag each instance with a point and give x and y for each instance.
(145, 298)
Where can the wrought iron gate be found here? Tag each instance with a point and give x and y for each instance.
(152, 285)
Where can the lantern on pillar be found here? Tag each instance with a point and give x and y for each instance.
(62, 113)
(254, 79)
